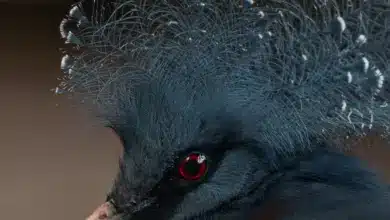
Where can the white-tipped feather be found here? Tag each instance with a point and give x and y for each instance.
(362, 39)
(381, 78)
(75, 12)
(350, 77)
(343, 106)
(261, 14)
(250, 2)
(63, 32)
(371, 118)
(342, 23)
(66, 63)
(366, 64)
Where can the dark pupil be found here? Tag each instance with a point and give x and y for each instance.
(192, 168)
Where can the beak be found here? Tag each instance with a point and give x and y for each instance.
(103, 212)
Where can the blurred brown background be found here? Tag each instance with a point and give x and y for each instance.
(55, 163)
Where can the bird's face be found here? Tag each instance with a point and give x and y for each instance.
(194, 164)
(195, 185)
(206, 97)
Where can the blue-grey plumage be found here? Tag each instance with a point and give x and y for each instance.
(259, 85)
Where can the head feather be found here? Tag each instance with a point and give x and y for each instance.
(300, 69)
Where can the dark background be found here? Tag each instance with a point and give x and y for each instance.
(56, 163)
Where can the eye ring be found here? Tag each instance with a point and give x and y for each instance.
(193, 167)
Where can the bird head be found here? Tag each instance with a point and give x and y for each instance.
(213, 100)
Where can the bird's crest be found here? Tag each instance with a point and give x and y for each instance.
(302, 68)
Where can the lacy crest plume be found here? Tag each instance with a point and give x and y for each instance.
(303, 68)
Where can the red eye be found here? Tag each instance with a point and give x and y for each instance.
(193, 167)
